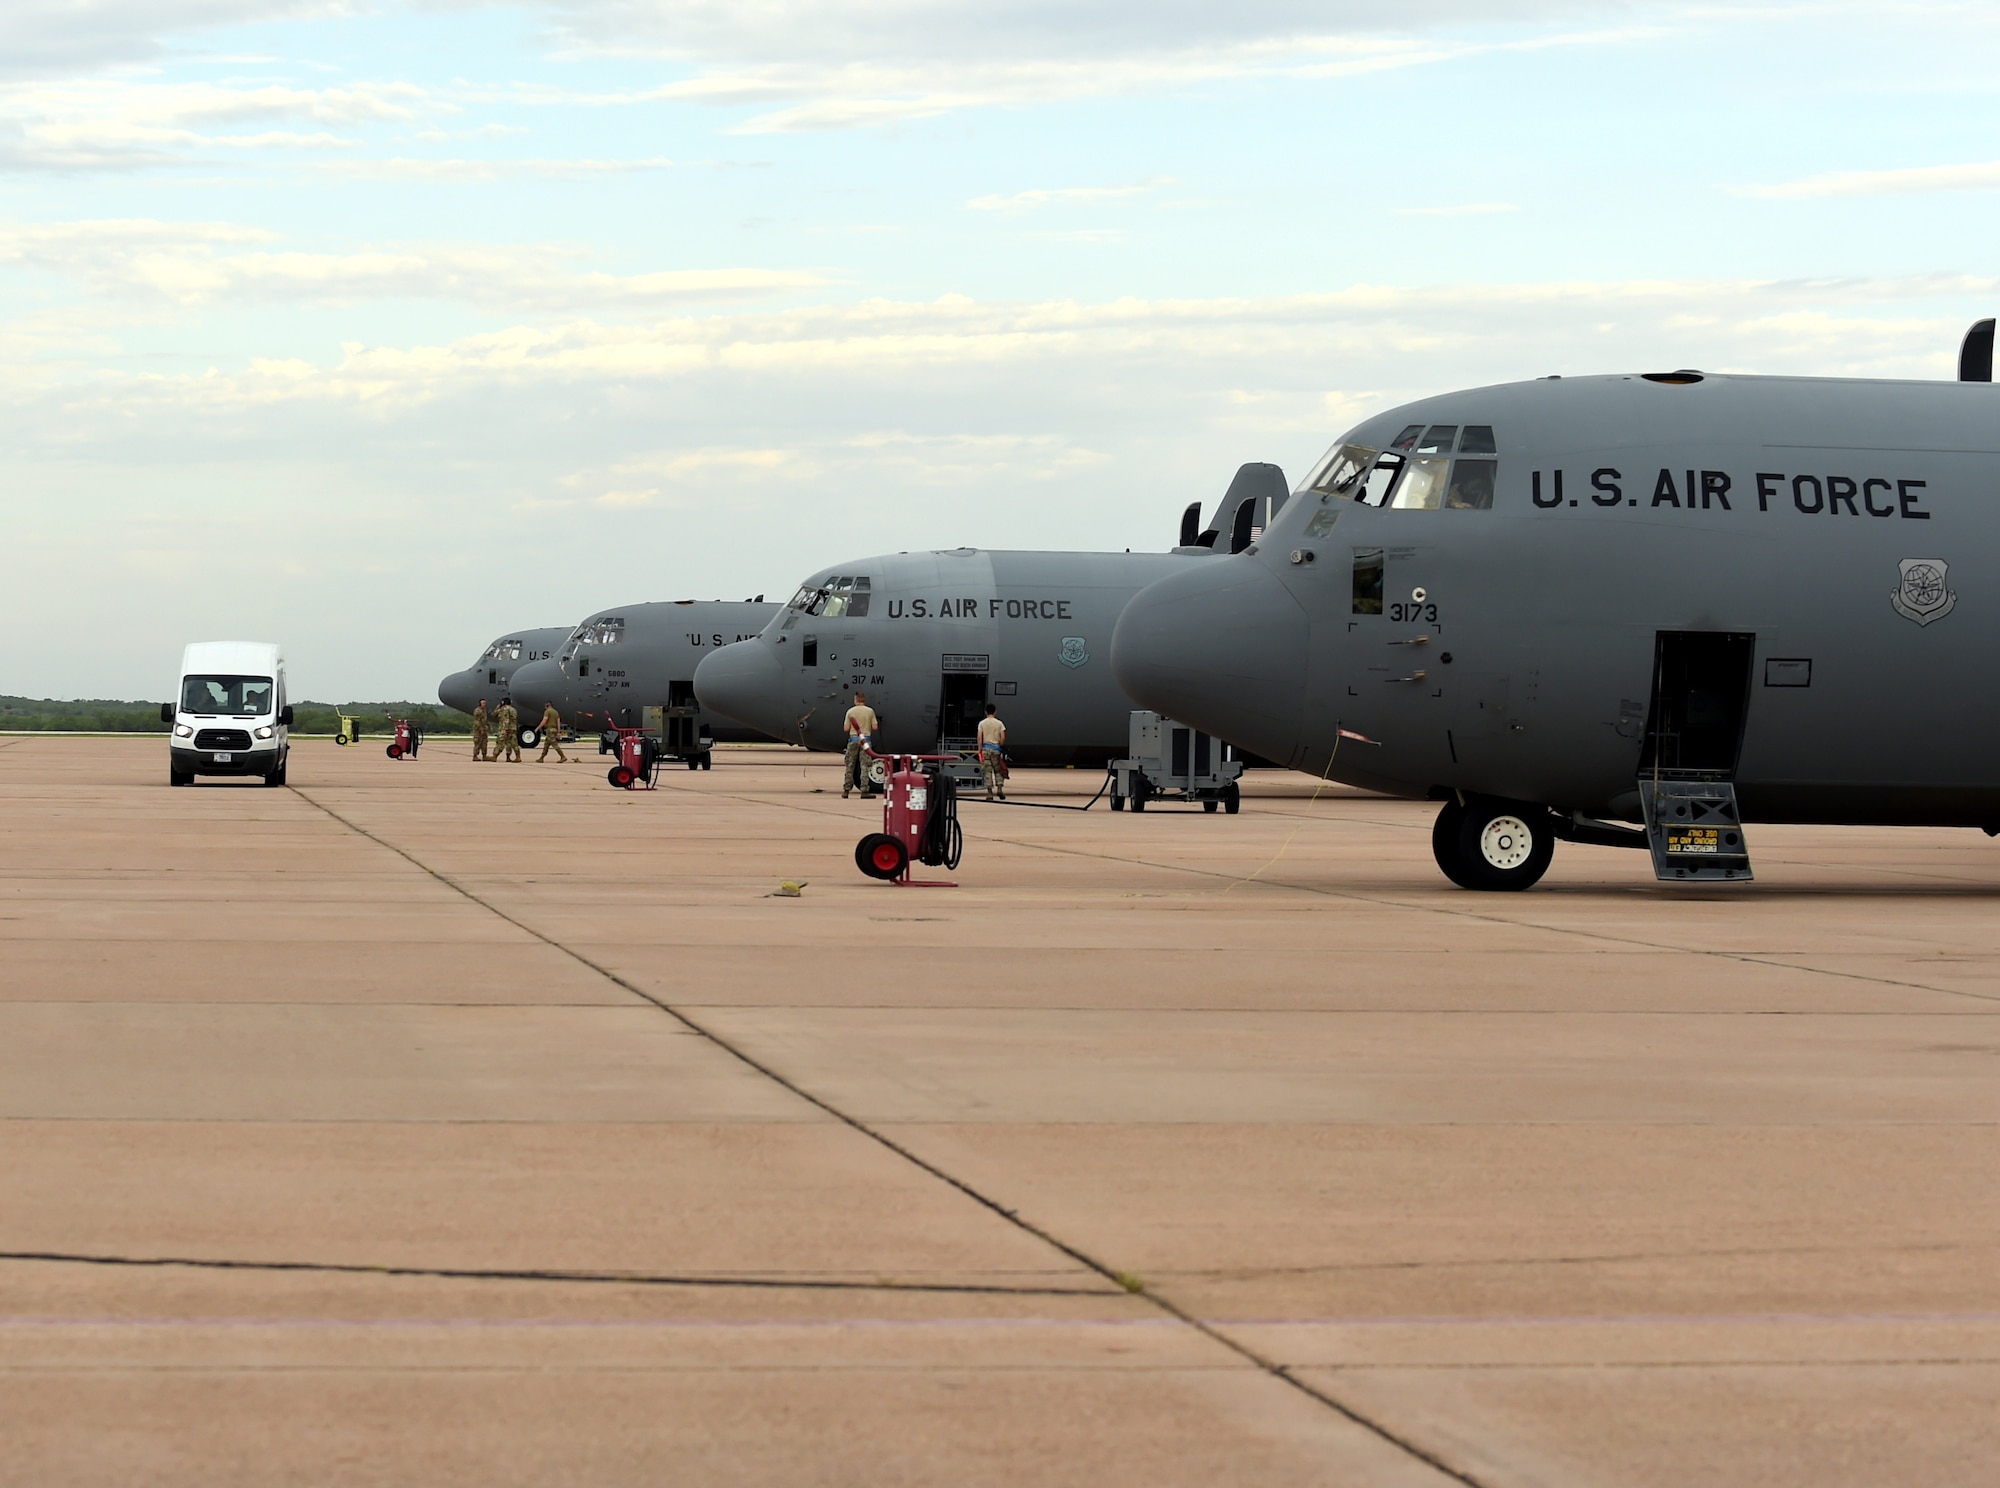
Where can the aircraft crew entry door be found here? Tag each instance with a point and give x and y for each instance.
(963, 702)
(1701, 693)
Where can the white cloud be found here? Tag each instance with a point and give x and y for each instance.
(1023, 201)
(403, 168)
(873, 62)
(1422, 338)
(42, 38)
(123, 123)
(1469, 209)
(187, 265)
(1911, 180)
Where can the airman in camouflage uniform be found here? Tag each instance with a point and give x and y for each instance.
(508, 724)
(479, 729)
(551, 735)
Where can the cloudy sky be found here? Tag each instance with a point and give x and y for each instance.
(383, 328)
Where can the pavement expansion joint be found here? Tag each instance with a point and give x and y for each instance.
(1116, 1279)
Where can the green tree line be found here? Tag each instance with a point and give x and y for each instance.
(103, 715)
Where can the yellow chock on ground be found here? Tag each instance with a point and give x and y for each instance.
(786, 890)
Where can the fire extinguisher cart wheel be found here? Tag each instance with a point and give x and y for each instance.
(394, 751)
(881, 856)
(621, 777)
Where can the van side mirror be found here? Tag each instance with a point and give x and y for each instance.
(167, 714)
(285, 715)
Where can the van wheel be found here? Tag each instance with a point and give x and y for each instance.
(179, 777)
(1493, 845)
(275, 777)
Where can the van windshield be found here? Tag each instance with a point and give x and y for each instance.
(246, 697)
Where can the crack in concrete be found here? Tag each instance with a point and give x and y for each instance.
(590, 1278)
(1110, 1274)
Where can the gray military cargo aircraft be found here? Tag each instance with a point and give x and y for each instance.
(933, 637)
(621, 661)
(492, 675)
(1679, 600)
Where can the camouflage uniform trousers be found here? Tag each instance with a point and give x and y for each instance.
(510, 736)
(479, 743)
(551, 739)
(991, 767)
(853, 779)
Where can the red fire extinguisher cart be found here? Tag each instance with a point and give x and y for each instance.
(919, 823)
(638, 761)
(407, 740)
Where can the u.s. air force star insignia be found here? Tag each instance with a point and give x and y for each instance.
(1073, 654)
(1923, 596)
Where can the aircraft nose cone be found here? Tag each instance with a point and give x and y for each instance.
(744, 682)
(456, 691)
(535, 685)
(1222, 647)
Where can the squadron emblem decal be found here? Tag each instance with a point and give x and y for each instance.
(1923, 597)
(1073, 655)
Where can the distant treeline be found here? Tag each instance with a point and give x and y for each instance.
(102, 715)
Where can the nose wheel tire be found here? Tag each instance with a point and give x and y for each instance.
(881, 856)
(1492, 845)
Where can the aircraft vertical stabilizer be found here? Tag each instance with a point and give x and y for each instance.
(1975, 353)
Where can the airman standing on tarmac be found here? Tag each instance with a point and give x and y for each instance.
(551, 735)
(508, 723)
(479, 728)
(992, 764)
(860, 725)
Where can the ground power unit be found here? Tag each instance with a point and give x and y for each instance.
(1170, 761)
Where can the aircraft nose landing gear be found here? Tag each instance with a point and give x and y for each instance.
(1493, 845)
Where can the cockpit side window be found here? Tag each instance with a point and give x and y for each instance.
(1343, 466)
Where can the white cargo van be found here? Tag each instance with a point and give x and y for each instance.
(230, 715)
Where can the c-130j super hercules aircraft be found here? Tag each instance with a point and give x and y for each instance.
(1676, 599)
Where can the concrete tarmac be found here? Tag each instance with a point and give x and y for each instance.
(449, 1123)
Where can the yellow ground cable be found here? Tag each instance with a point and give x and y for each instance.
(1283, 847)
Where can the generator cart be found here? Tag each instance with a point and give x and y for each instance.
(684, 737)
(1171, 762)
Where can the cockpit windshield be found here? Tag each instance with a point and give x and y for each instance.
(847, 595)
(215, 696)
(1417, 472)
(503, 651)
(604, 630)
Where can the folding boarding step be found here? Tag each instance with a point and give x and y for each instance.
(1694, 830)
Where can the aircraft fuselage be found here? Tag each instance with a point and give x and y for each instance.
(1787, 582)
